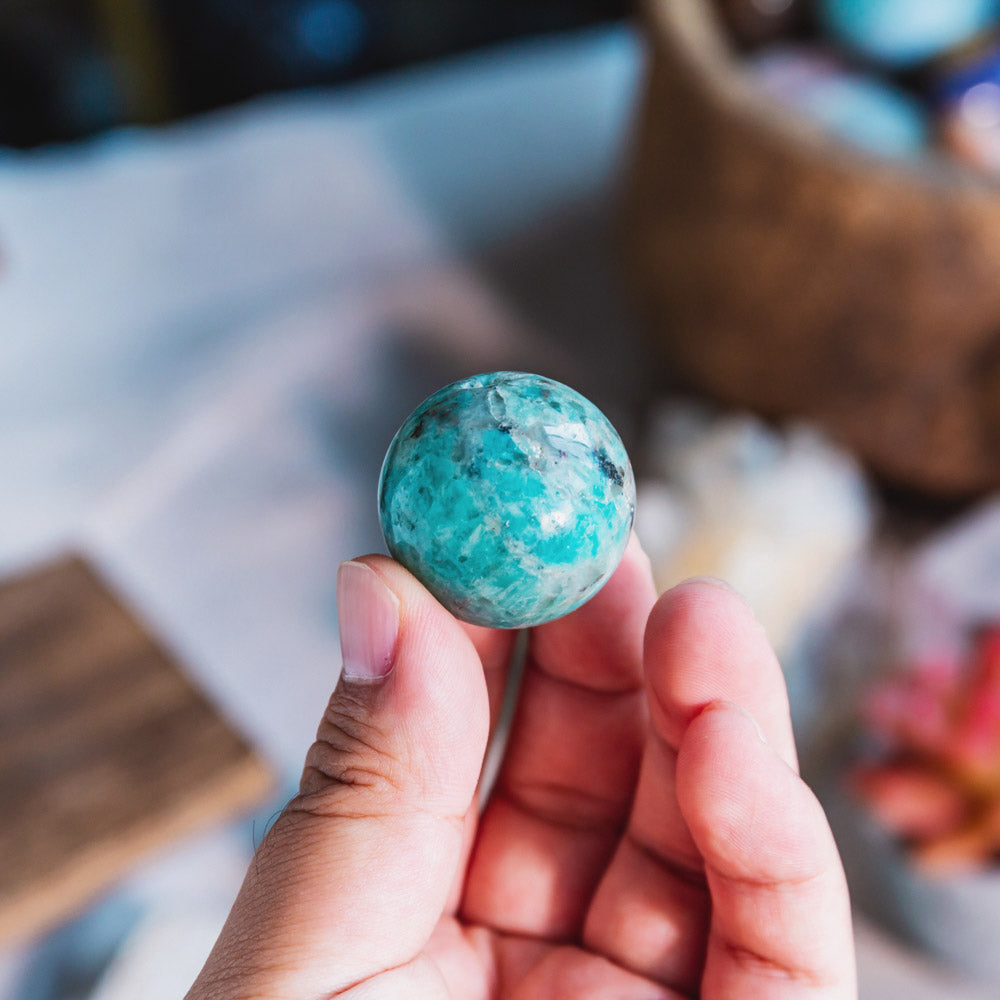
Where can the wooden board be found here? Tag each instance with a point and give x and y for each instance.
(107, 751)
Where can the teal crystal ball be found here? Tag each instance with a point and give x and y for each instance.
(509, 496)
(903, 33)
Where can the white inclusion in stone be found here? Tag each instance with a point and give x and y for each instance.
(491, 522)
(573, 431)
(530, 441)
(496, 404)
(472, 540)
(553, 521)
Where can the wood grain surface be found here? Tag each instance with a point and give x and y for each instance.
(107, 751)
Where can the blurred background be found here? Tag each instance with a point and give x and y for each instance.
(241, 239)
(70, 69)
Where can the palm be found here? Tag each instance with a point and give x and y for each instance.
(501, 967)
(640, 841)
(582, 875)
(538, 898)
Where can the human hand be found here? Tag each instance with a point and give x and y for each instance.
(642, 842)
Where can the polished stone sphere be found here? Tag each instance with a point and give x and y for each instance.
(509, 496)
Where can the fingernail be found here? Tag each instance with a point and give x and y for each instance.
(747, 715)
(368, 615)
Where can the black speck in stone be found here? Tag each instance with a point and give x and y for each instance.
(609, 468)
(505, 428)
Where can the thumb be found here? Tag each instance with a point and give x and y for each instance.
(355, 873)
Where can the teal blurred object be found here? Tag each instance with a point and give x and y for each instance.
(904, 33)
(510, 496)
(863, 110)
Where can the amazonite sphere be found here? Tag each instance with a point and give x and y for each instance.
(509, 496)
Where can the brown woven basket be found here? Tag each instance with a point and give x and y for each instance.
(782, 271)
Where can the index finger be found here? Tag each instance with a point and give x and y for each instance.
(704, 645)
(781, 917)
(652, 910)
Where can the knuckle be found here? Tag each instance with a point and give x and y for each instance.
(761, 966)
(351, 757)
(566, 804)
